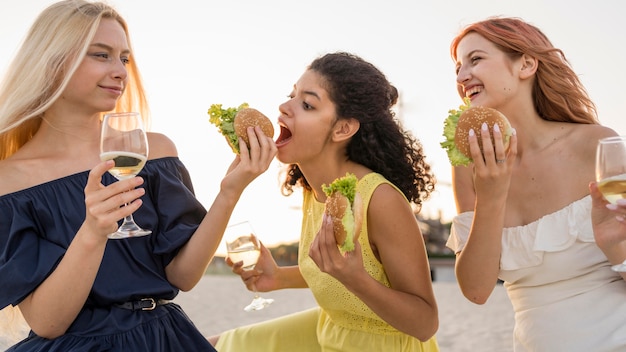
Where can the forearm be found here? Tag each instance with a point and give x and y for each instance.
(478, 264)
(290, 277)
(54, 305)
(407, 312)
(194, 257)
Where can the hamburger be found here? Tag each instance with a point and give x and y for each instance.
(234, 122)
(345, 208)
(459, 122)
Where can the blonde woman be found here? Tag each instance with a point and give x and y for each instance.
(77, 290)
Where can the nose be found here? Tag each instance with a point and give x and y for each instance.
(120, 71)
(284, 108)
(463, 75)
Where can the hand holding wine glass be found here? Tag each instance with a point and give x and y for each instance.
(243, 246)
(611, 173)
(124, 140)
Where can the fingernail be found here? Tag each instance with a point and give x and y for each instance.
(620, 218)
(611, 206)
(484, 126)
(471, 132)
(621, 202)
(513, 131)
(496, 127)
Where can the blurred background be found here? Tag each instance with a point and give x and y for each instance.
(196, 53)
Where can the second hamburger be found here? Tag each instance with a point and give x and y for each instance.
(458, 125)
(345, 207)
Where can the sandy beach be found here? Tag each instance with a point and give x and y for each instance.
(216, 304)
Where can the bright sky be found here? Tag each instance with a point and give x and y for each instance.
(195, 53)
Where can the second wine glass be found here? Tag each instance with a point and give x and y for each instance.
(123, 139)
(243, 246)
(611, 173)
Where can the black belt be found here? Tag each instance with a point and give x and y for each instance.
(142, 304)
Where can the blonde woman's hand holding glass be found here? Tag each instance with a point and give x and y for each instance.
(102, 205)
(124, 140)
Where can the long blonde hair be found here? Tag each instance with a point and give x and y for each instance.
(50, 54)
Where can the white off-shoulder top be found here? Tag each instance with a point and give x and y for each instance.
(565, 296)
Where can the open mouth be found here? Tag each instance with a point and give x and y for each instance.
(470, 93)
(284, 137)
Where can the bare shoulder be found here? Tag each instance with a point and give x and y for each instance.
(595, 132)
(386, 193)
(161, 146)
(391, 224)
(13, 176)
(591, 133)
(387, 202)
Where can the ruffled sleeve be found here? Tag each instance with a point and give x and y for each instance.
(25, 258)
(177, 210)
(35, 232)
(459, 232)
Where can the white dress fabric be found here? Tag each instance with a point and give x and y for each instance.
(563, 292)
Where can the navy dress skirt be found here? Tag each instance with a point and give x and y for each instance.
(36, 227)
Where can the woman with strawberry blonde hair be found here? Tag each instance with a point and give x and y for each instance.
(530, 214)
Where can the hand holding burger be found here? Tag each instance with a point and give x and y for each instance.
(457, 127)
(345, 207)
(234, 122)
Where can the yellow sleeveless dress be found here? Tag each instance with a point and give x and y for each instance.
(343, 322)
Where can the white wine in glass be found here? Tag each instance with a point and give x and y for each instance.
(611, 173)
(243, 246)
(124, 140)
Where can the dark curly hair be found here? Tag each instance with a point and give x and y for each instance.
(360, 90)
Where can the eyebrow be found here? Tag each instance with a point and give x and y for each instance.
(474, 52)
(469, 55)
(311, 93)
(108, 47)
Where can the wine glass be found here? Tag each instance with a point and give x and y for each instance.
(124, 141)
(243, 245)
(611, 173)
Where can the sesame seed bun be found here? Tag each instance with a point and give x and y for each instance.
(250, 117)
(473, 118)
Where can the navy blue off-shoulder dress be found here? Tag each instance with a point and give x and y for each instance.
(36, 227)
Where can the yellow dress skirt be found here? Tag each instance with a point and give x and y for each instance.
(299, 332)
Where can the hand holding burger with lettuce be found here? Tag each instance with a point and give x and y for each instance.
(234, 122)
(345, 207)
(458, 124)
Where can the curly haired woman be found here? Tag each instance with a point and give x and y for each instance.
(379, 297)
